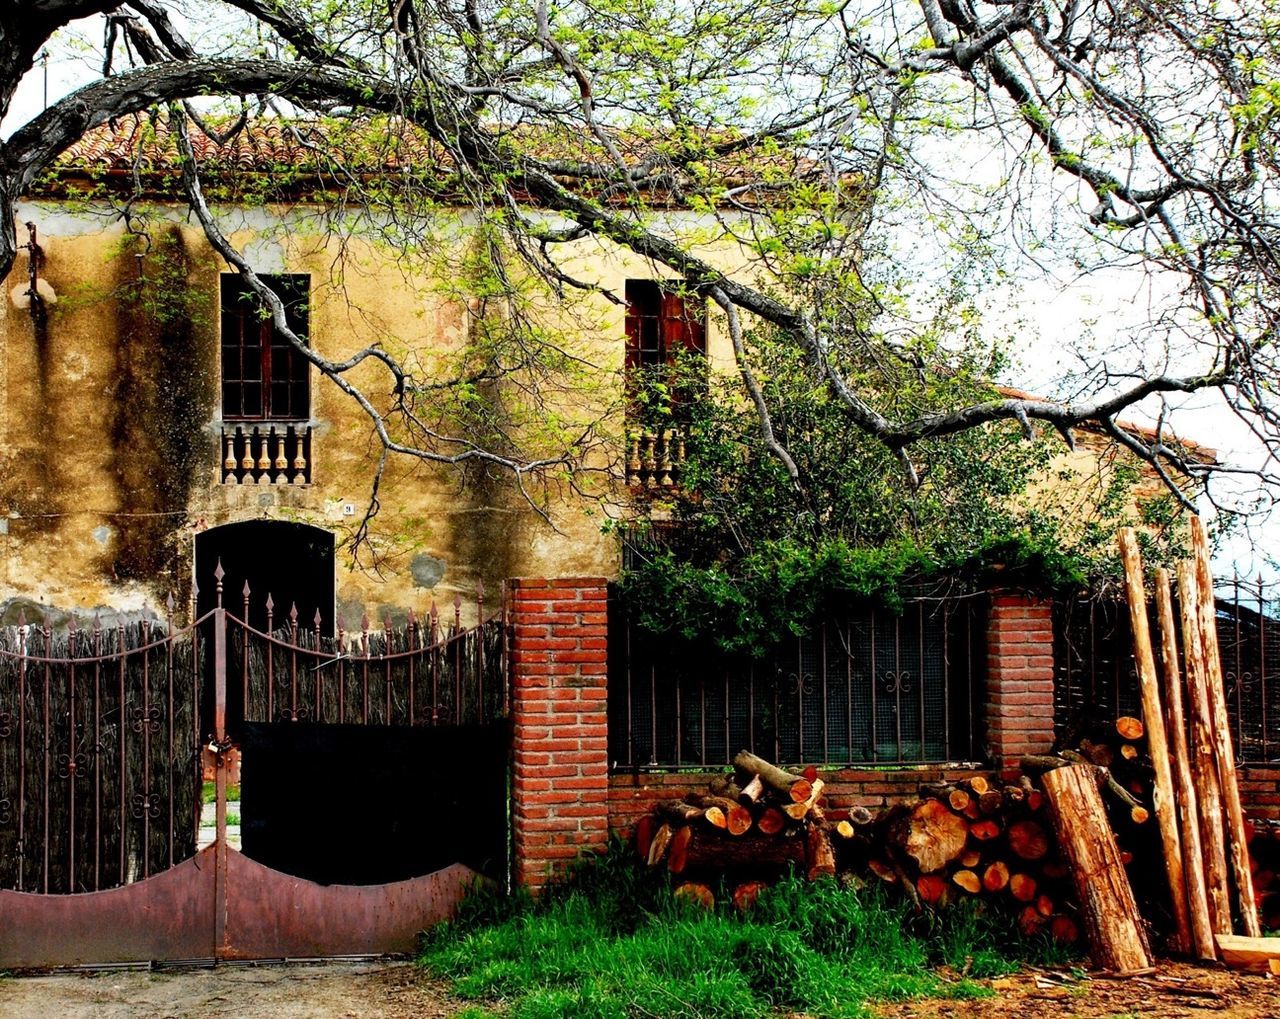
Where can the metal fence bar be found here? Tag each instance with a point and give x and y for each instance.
(906, 694)
(1091, 638)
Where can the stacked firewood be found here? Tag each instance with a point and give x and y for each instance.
(1264, 857)
(962, 840)
(747, 830)
(973, 838)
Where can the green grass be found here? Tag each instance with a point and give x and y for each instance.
(612, 943)
(209, 792)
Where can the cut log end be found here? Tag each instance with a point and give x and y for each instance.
(695, 894)
(1130, 728)
(930, 834)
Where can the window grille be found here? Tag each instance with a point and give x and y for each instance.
(266, 395)
(866, 688)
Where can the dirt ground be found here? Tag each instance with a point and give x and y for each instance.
(397, 990)
(1173, 991)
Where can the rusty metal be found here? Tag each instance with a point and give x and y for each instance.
(274, 915)
(375, 677)
(251, 911)
(216, 903)
(91, 757)
(871, 687)
(167, 916)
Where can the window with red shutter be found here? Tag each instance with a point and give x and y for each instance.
(665, 328)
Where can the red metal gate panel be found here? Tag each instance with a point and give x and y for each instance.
(167, 916)
(274, 915)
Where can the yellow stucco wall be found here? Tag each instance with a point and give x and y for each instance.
(109, 424)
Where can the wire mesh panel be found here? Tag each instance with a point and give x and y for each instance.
(865, 688)
(1095, 676)
(99, 754)
(1248, 638)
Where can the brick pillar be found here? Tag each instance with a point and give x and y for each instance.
(559, 642)
(1019, 677)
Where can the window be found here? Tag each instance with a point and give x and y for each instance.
(266, 389)
(663, 327)
(264, 377)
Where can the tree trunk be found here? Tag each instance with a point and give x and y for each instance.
(1114, 928)
(750, 855)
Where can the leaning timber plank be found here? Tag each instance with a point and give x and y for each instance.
(1247, 953)
(1166, 804)
(1114, 928)
(1204, 771)
(1238, 843)
(1184, 789)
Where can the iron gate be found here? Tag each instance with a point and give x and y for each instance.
(101, 738)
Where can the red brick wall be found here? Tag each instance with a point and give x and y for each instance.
(631, 796)
(1260, 790)
(565, 802)
(558, 653)
(1019, 713)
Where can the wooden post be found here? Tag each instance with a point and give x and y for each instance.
(1222, 733)
(1162, 793)
(1204, 771)
(1193, 859)
(1114, 928)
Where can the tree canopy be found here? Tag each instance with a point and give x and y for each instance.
(1003, 140)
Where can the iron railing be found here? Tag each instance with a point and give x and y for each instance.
(1095, 678)
(867, 688)
(428, 672)
(99, 753)
(102, 729)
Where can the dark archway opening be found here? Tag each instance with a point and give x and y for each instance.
(292, 562)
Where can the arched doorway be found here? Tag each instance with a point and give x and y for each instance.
(292, 562)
